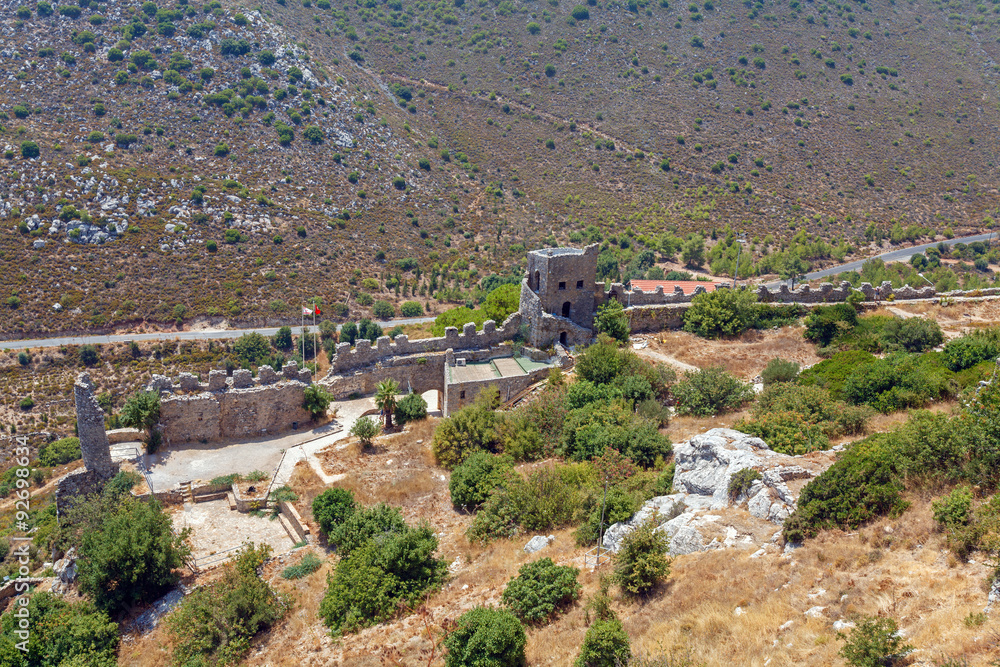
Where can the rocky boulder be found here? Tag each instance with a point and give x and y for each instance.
(693, 517)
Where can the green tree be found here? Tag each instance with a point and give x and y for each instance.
(142, 411)
(366, 430)
(486, 637)
(501, 302)
(314, 134)
(89, 356)
(693, 251)
(316, 400)
(612, 320)
(385, 398)
(282, 339)
(723, 312)
(606, 644)
(383, 310)
(59, 452)
(29, 149)
(641, 563)
(874, 642)
(792, 268)
(469, 430)
(129, 553)
(252, 348)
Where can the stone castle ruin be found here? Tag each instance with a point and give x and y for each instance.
(560, 296)
(98, 467)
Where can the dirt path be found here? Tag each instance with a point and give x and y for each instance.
(659, 356)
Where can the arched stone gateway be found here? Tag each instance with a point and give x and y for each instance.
(566, 308)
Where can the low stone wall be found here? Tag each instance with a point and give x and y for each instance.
(364, 354)
(294, 520)
(254, 501)
(656, 318)
(120, 435)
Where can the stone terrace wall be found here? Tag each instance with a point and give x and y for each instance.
(240, 406)
(364, 354)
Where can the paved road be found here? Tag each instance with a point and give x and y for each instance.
(900, 255)
(205, 334)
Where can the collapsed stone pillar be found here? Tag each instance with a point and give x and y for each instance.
(90, 425)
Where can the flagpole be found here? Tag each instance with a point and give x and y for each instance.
(315, 340)
(302, 328)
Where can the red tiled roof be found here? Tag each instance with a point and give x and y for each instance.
(689, 286)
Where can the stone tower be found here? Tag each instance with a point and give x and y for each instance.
(559, 294)
(90, 425)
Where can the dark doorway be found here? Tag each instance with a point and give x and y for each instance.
(563, 340)
(566, 307)
(538, 281)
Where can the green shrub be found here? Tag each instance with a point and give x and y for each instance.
(815, 405)
(619, 506)
(641, 562)
(473, 480)
(541, 589)
(410, 408)
(29, 149)
(914, 334)
(486, 637)
(374, 581)
(873, 642)
(968, 351)
(606, 644)
(931, 444)
(779, 370)
(309, 564)
(897, 382)
(411, 309)
(216, 623)
(59, 452)
(590, 430)
(833, 372)
(383, 310)
(825, 323)
(61, 633)
(785, 432)
(954, 510)
(710, 391)
(861, 485)
(612, 320)
(723, 312)
(27, 403)
(580, 13)
(741, 482)
(981, 423)
(332, 508)
(469, 430)
(541, 501)
(365, 524)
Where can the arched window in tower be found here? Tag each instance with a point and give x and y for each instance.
(538, 281)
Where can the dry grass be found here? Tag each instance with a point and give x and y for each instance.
(744, 357)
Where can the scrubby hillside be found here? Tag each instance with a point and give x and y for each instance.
(224, 159)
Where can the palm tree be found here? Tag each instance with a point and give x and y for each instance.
(385, 398)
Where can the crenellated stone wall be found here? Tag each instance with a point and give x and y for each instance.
(365, 354)
(224, 407)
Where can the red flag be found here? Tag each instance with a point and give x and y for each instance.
(317, 311)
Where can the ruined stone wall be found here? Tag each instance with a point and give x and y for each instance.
(90, 427)
(545, 329)
(365, 354)
(81, 483)
(240, 406)
(643, 319)
(416, 372)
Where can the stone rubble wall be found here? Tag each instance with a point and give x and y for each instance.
(365, 354)
(224, 407)
(90, 427)
(509, 387)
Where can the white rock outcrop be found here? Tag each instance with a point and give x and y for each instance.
(704, 466)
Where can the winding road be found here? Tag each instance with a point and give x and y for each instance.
(899, 255)
(198, 334)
